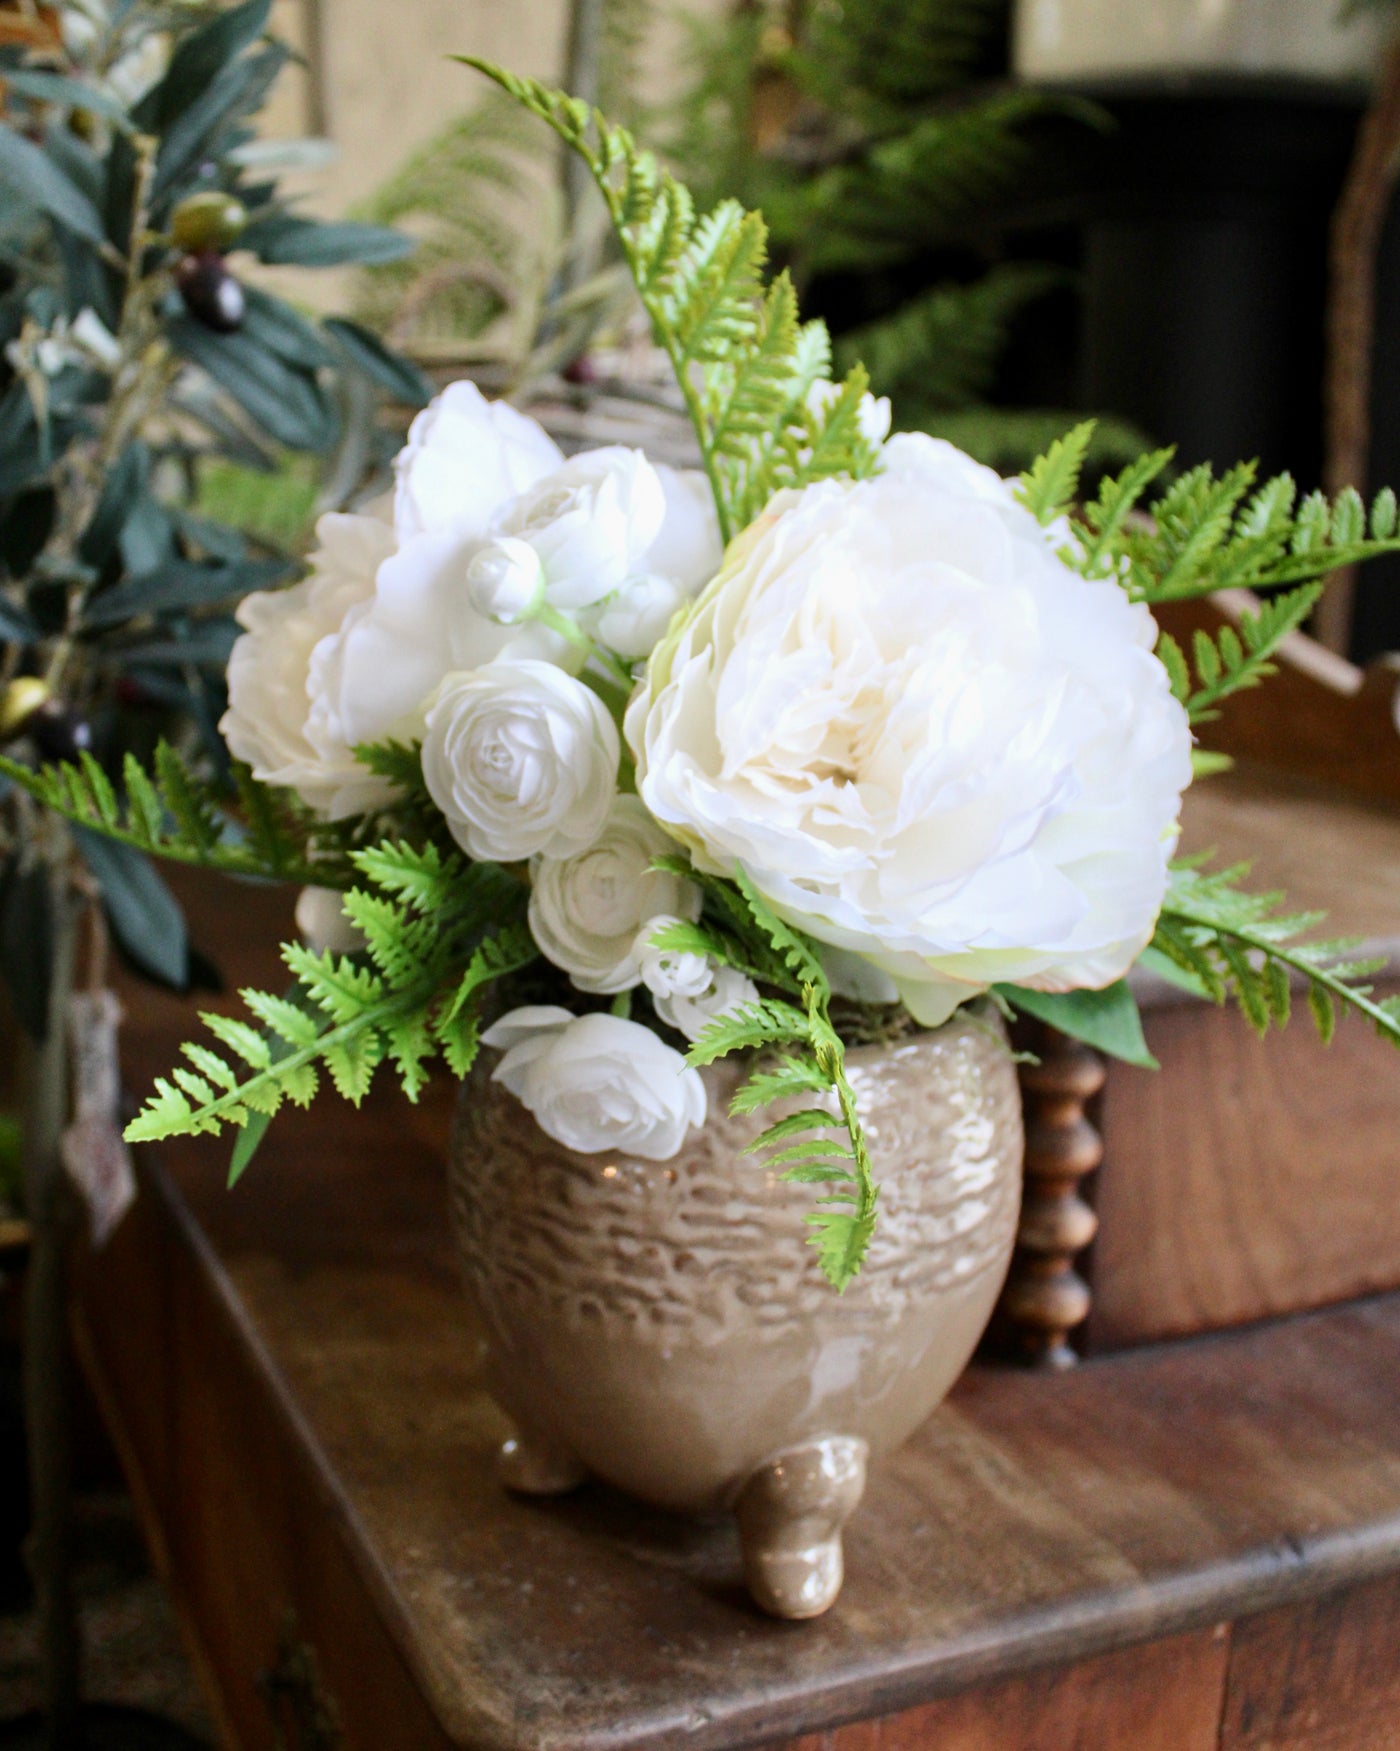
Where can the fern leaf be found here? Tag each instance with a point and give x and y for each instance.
(700, 281)
(808, 1119)
(1048, 487)
(790, 1076)
(1238, 942)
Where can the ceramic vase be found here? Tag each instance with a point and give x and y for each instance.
(664, 1326)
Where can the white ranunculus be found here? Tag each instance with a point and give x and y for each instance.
(596, 1082)
(632, 621)
(592, 522)
(465, 460)
(276, 719)
(323, 925)
(670, 972)
(521, 759)
(506, 581)
(690, 1014)
(923, 735)
(466, 457)
(585, 909)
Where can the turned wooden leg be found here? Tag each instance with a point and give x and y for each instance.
(791, 1513)
(534, 1464)
(1045, 1297)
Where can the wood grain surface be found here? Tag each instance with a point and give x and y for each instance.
(1250, 1178)
(1162, 1696)
(295, 1382)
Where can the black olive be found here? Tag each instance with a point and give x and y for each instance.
(211, 294)
(59, 732)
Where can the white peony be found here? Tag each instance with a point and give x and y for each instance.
(923, 735)
(585, 909)
(690, 1013)
(465, 460)
(521, 759)
(276, 719)
(596, 1082)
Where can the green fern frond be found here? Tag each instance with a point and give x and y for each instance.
(1244, 945)
(1206, 533)
(913, 189)
(749, 1028)
(406, 1000)
(897, 53)
(939, 350)
(1048, 487)
(701, 283)
(1231, 659)
(173, 813)
(782, 1079)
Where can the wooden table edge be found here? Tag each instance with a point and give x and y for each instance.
(1289, 1571)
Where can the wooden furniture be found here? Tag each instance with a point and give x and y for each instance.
(1246, 1178)
(1196, 1545)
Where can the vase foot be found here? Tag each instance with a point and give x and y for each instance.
(534, 1465)
(791, 1513)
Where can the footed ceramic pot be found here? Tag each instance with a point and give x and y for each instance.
(665, 1326)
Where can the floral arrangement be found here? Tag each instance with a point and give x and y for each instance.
(817, 743)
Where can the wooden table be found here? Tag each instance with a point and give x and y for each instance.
(1187, 1546)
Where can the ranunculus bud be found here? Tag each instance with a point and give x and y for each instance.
(670, 972)
(323, 925)
(690, 1013)
(505, 581)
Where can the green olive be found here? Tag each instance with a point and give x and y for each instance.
(18, 703)
(208, 221)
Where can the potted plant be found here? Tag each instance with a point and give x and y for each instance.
(651, 802)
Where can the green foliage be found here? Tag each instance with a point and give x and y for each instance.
(743, 931)
(1108, 1020)
(460, 193)
(1205, 534)
(120, 562)
(172, 812)
(481, 282)
(438, 932)
(866, 134)
(926, 182)
(745, 365)
(1246, 946)
(939, 351)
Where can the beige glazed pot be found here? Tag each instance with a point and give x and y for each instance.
(665, 1326)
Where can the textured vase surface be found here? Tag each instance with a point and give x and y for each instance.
(665, 1325)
